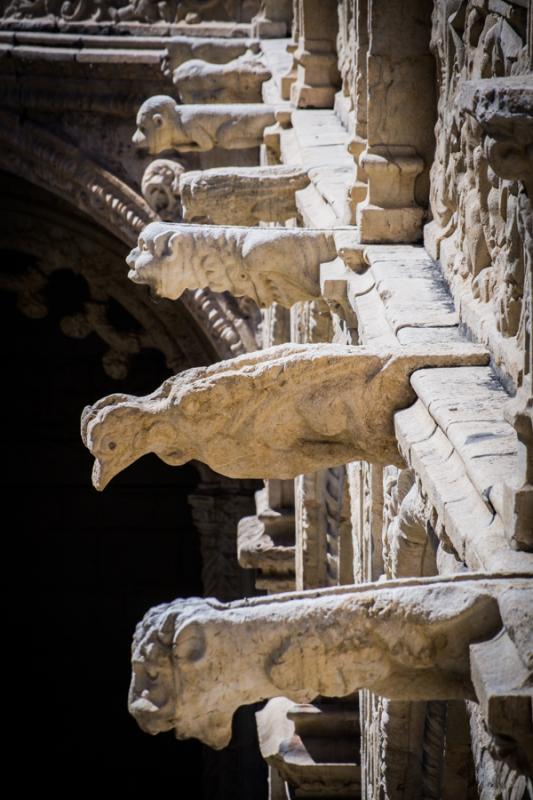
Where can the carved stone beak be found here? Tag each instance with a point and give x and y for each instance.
(103, 473)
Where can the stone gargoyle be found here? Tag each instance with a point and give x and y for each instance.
(274, 413)
(238, 81)
(269, 265)
(223, 195)
(163, 125)
(214, 50)
(406, 640)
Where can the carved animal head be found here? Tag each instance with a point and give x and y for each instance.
(158, 125)
(164, 260)
(160, 187)
(176, 682)
(109, 431)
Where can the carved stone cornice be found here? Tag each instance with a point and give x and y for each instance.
(406, 639)
(271, 414)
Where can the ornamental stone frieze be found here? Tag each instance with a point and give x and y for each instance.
(163, 125)
(408, 640)
(275, 413)
(223, 195)
(238, 81)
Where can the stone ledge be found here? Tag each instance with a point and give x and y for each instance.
(462, 450)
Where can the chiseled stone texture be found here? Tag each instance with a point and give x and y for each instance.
(268, 265)
(238, 81)
(275, 413)
(241, 195)
(163, 125)
(408, 641)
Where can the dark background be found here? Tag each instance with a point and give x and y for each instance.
(81, 568)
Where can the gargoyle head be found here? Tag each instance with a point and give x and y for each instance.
(164, 260)
(160, 187)
(158, 125)
(176, 674)
(113, 436)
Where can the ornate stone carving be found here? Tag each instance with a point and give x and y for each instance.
(216, 51)
(223, 195)
(478, 213)
(163, 125)
(314, 747)
(160, 188)
(241, 195)
(409, 641)
(143, 11)
(503, 107)
(238, 81)
(273, 19)
(265, 542)
(269, 265)
(267, 415)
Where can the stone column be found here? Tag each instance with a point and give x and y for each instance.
(358, 190)
(400, 121)
(317, 76)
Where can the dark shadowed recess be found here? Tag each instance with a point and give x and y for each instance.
(83, 567)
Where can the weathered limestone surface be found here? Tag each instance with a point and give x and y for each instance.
(313, 746)
(268, 265)
(160, 187)
(163, 125)
(265, 541)
(238, 81)
(267, 415)
(481, 174)
(407, 640)
(213, 50)
(273, 19)
(241, 195)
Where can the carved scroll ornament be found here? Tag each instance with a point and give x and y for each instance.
(276, 413)
(408, 641)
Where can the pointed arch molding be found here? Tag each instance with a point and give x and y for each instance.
(41, 157)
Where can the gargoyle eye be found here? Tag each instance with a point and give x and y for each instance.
(112, 445)
(144, 246)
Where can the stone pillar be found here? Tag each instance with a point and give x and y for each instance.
(358, 190)
(400, 120)
(317, 76)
